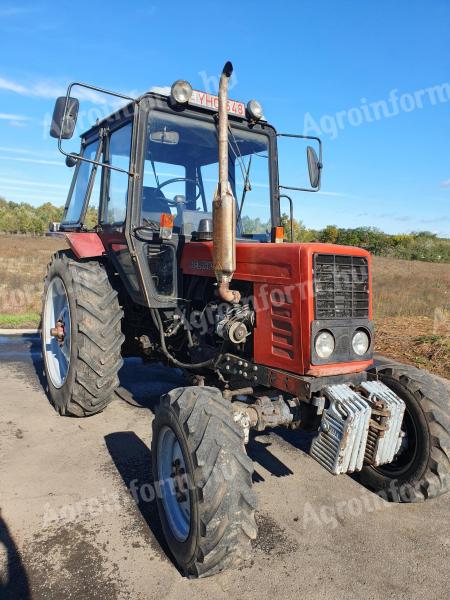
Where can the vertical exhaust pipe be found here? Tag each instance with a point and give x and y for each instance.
(224, 205)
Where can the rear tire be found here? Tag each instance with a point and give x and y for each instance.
(213, 525)
(421, 469)
(82, 379)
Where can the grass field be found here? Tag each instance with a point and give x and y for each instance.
(23, 262)
(412, 312)
(411, 300)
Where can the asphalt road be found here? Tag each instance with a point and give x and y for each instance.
(70, 527)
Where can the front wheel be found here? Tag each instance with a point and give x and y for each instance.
(421, 468)
(203, 480)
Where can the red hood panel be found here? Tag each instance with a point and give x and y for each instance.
(254, 261)
(283, 297)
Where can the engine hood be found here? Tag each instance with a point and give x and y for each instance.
(283, 278)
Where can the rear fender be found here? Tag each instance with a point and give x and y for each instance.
(83, 245)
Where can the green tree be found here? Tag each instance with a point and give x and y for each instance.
(329, 235)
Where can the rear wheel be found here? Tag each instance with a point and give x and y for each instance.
(203, 478)
(421, 468)
(81, 335)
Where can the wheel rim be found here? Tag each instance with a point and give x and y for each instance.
(173, 483)
(407, 453)
(56, 319)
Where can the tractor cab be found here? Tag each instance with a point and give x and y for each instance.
(146, 176)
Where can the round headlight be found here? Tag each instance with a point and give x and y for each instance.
(254, 110)
(324, 344)
(181, 91)
(360, 342)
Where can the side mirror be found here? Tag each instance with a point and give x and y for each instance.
(314, 167)
(63, 125)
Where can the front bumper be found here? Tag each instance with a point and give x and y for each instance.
(240, 372)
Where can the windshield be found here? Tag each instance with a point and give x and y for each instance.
(181, 173)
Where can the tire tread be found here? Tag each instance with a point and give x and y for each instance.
(98, 337)
(432, 394)
(223, 478)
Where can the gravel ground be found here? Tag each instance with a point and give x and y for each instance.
(70, 528)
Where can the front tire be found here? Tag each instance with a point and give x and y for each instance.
(203, 479)
(81, 365)
(421, 469)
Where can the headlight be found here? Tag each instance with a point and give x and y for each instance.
(255, 110)
(324, 344)
(181, 91)
(360, 342)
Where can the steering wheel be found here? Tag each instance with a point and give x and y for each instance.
(177, 180)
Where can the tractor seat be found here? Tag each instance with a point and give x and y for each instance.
(154, 203)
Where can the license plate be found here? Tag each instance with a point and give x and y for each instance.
(212, 102)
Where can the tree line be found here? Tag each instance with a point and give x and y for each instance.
(25, 218)
(421, 245)
(417, 245)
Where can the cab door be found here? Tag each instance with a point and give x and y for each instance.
(116, 191)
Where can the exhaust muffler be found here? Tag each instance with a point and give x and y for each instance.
(224, 205)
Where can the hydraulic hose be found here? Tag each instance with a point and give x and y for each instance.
(159, 326)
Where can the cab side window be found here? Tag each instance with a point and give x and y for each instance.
(85, 174)
(117, 182)
(91, 218)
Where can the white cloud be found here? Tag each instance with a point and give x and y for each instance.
(30, 152)
(33, 160)
(50, 90)
(14, 120)
(331, 193)
(13, 117)
(47, 89)
(18, 188)
(12, 86)
(18, 150)
(440, 219)
(446, 183)
(32, 195)
(164, 91)
(22, 182)
(148, 11)
(13, 11)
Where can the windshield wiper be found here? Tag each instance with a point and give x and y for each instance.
(237, 154)
(247, 186)
(245, 171)
(155, 174)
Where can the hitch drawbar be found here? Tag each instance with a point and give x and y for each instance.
(359, 427)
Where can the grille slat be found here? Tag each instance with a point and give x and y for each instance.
(341, 286)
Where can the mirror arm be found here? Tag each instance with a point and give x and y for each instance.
(305, 137)
(320, 165)
(295, 189)
(103, 91)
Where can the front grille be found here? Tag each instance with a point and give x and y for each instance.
(282, 332)
(341, 286)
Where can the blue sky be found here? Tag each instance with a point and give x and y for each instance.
(314, 64)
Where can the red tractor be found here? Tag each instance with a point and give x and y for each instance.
(168, 264)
